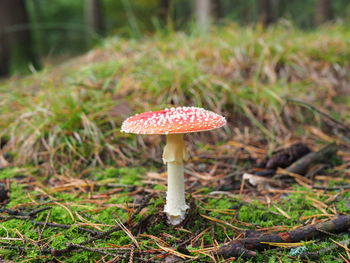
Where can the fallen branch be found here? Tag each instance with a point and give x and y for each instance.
(302, 165)
(245, 247)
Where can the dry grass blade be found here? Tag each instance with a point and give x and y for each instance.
(128, 232)
(67, 209)
(234, 228)
(287, 245)
(345, 260)
(176, 253)
(222, 211)
(299, 178)
(282, 212)
(157, 239)
(315, 216)
(341, 245)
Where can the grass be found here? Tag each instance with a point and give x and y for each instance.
(68, 118)
(59, 134)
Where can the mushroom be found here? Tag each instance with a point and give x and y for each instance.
(174, 123)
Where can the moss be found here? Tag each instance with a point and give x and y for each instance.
(8, 173)
(343, 203)
(159, 187)
(127, 176)
(12, 172)
(255, 213)
(17, 195)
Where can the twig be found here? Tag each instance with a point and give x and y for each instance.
(96, 250)
(19, 248)
(12, 212)
(34, 212)
(13, 217)
(329, 188)
(28, 214)
(15, 214)
(41, 231)
(94, 219)
(131, 257)
(103, 252)
(188, 239)
(245, 247)
(64, 226)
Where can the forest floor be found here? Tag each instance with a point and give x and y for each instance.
(73, 188)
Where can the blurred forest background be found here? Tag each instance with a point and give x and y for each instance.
(38, 32)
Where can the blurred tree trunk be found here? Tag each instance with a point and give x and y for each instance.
(203, 14)
(164, 9)
(268, 10)
(4, 48)
(15, 37)
(94, 16)
(323, 11)
(217, 9)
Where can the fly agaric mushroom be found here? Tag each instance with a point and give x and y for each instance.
(174, 123)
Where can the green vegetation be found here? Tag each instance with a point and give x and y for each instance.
(74, 112)
(59, 131)
(222, 215)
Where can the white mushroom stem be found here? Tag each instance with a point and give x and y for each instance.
(174, 154)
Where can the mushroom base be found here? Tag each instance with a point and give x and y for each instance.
(175, 207)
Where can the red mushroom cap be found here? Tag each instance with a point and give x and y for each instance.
(173, 120)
